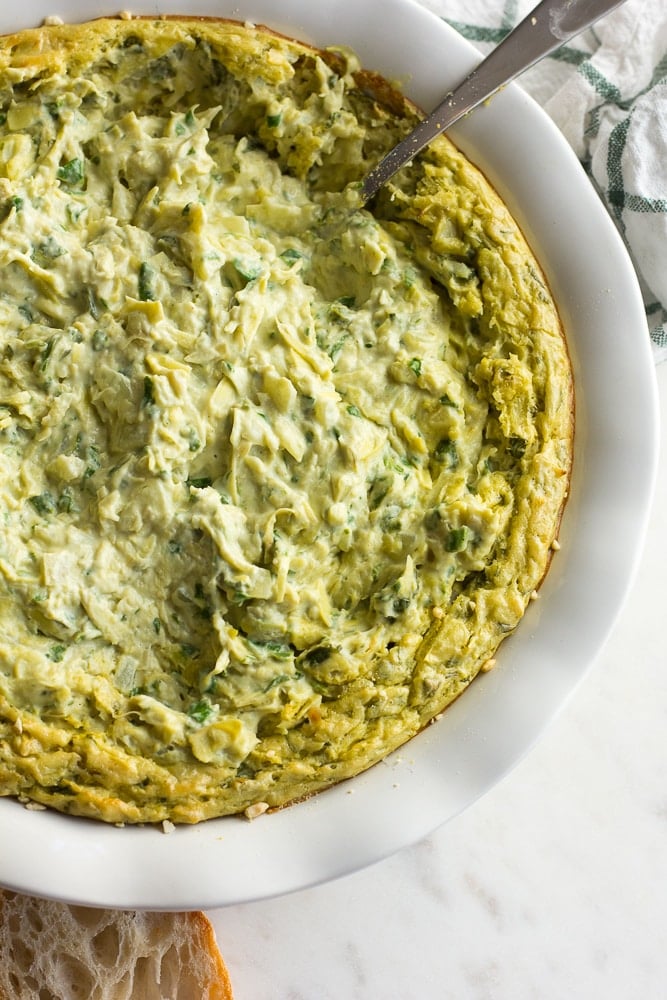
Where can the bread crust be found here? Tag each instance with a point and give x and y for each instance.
(62, 950)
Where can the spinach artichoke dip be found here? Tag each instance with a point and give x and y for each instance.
(277, 474)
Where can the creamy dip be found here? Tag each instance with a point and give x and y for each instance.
(276, 476)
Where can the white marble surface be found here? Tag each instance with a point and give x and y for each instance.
(553, 886)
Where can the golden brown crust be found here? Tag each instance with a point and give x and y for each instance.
(220, 987)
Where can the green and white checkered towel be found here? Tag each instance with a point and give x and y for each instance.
(607, 92)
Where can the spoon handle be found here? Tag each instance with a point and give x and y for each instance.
(545, 29)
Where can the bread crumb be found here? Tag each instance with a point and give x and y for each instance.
(167, 826)
(52, 19)
(35, 806)
(555, 545)
(488, 665)
(125, 15)
(437, 613)
(534, 596)
(255, 810)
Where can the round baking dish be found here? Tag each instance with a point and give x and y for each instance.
(486, 731)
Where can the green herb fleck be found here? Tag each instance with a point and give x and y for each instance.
(72, 173)
(446, 451)
(148, 398)
(53, 107)
(391, 518)
(457, 539)
(56, 653)
(94, 462)
(187, 649)
(199, 482)
(278, 650)
(249, 270)
(44, 503)
(400, 604)
(95, 304)
(160, 69)
(415, 365)
(200, 711)
(336, 348)
(276, 682)
(46, 353)
(75, 211)
(46, 252)
(99, 340)
(291, 255)
(146, 282)
(66, 503)
(377, 492)
(409, 277)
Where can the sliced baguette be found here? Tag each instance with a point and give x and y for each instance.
(54, 951)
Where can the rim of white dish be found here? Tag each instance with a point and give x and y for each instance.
(491, 727)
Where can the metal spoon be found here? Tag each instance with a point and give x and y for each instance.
(545, 29)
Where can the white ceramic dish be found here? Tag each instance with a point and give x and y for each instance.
(498, 719)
